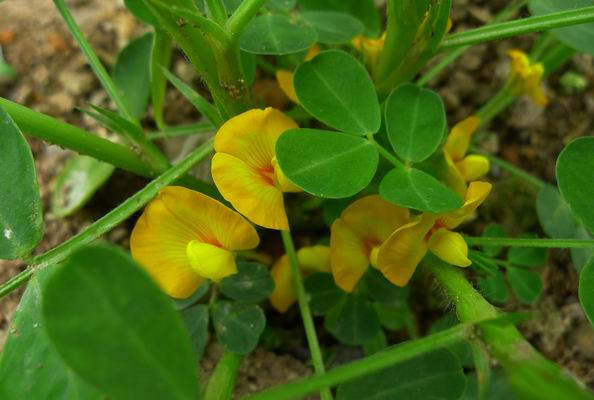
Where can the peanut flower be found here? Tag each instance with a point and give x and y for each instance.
(462, 168)
(245, 169)
(184, 237)
(311, 259)
(284, 77)
(371, 48)
(400, 254)
(357, 235)
(526, 77)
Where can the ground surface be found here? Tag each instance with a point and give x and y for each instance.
(54, 79)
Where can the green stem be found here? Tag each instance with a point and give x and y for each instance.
(519, 172)
(529, 372)
(523, 26)
(72, 137)
(153, 154)
(222, 381)
(160, 59)
(93, 60)
(216, 11)
(385, 153)
(526, 242)
(509, 11)
(246, 11)
(374, 363)
(182, 130)
(108, 221)
(495, 105)
(308, 323)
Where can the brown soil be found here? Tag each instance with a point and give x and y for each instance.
(54, 78)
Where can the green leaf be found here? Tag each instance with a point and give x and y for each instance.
(139, 9)
(336, 89)
(527, 256)
(30, 368)
(181, 304)
(323, 292)
(281, 5)
(251, 283)
(526, 284)
(196, 320)
(377, 344)
(575, 174)
(77, 182)
(327, 164)
(382, 290)
(462, 350)
(494, 288)
(436, 375)
(113, 326)
(333, 27)
(355, 321)
(209, 111)
(364, 10)
(580, 37)
(415, 122)
(391, 316)
(238, 325)
(494, 231)
(497, 388)
(131, 74)
(413, 188)
(277, 35)
(21, 221)
(558, 222)
(586, 290)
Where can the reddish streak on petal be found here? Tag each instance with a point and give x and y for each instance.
(267, 174)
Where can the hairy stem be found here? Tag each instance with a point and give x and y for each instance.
(529, 372)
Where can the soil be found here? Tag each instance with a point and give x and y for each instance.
(54, 79)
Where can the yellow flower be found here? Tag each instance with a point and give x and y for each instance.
(310, 259)
(245, 170)
(357, 236)
(460, 167)
(526, 76)
(370, 48)
(284, 77)
(184, 236)
(400, 254)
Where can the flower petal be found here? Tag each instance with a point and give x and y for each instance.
(314, 259)
(450, 247)
(281, 181)
(475, 195)
(158, 243)
(349, 256)
(251, 136)
(209, 220)
(284, 79)
(459, 138)
(284, 295)
(400, 254)
(453, 176)
(210, 261)
(473, 167)
(373, 219)
(250, 193)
